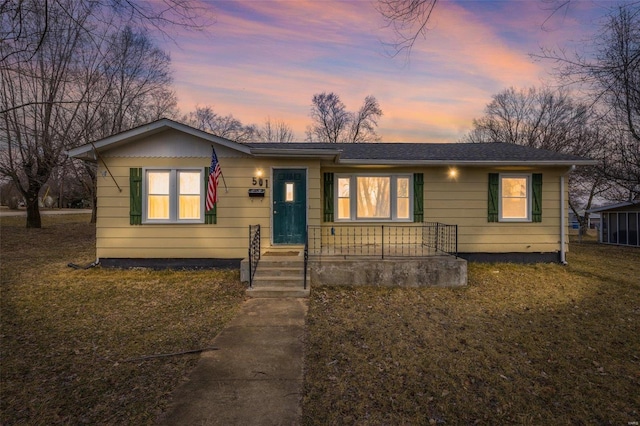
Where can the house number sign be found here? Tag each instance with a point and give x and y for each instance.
(259, 181)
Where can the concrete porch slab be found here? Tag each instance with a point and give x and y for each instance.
(431, 271)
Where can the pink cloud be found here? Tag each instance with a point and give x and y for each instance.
(266, 58)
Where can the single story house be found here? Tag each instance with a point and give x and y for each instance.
(619, 223)
(486, 201)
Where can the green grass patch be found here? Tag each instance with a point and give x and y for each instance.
(67, 334)
(521, 344)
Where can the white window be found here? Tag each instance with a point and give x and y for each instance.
(402, 197)
(173, 196)
(344, 197)
(515, 198)
(374, 197)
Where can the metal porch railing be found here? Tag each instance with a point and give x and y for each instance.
(306, 257)
(382, 241)
(254, 251)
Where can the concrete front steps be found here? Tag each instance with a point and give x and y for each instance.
(280, 276)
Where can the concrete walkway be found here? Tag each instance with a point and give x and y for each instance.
(255, 376)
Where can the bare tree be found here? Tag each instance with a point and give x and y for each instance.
(134, 87)
(330, 118)
(35, 134)
(139, 76)
(611, 78)
(612, 73)
(333, 123)
(15, 28)
(73, 86)
(227, 126)
(539, 118)
(408, 19)
(365, 121)
(25, 39)
(622, 160)
(275, 131)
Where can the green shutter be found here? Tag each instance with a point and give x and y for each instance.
(418, 197)
(536, 201)
(328, 197)
(135, 197)
(210, 216)
(494, 197)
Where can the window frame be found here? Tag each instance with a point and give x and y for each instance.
(174, 195)
(353, 197)
(529, 197)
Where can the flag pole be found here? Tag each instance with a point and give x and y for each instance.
(226, 190)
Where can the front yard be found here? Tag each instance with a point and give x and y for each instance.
(537, 344)
(72, 339)
(541, 344)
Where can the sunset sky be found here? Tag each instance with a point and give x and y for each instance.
(267, 58)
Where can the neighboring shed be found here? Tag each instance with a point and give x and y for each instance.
(619, 223)
(593, 222)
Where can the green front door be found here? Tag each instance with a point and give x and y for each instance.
(289, 206)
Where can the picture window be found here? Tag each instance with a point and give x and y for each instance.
(173, 196)
(379, 197)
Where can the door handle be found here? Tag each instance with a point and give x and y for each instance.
(274, 212)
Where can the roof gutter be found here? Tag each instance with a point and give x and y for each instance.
(452, 162)
(323, 154)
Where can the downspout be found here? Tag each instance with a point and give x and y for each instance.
(563, 224)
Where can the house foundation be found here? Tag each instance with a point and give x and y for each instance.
(432, 271)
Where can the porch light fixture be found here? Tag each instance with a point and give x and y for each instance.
(452, 173)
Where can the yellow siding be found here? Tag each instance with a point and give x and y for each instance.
(116, 238)
(463, 201)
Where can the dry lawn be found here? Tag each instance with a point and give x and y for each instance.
(67, 335)
(540, 344)
(534, 345)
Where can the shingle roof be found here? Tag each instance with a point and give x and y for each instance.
(354, 153)
(434, 152)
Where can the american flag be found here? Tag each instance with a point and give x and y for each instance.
(212, 186)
